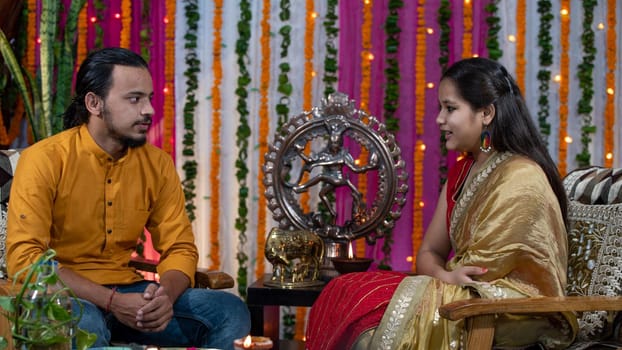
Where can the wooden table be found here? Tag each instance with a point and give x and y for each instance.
(264, 304)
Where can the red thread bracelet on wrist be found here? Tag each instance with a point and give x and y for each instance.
(114, 290)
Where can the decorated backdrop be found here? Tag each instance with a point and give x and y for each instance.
(228, 74)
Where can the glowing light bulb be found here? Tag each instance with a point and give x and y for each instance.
(430, 31)
(609, 156)
(370, 56)
(421, 204)
(557, 78)
(165, 90)
(475, 55)
(511, 38)
(564, 12)
(93, 19)
(313, 73)
(568, 139)
(409, 258)
(313, 14)
(430, 85)
(610, 91)
(422, 147)
(117, 15)
(600, 26)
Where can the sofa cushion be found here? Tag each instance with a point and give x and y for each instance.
(8, 162)
(594, 242)
(595, 261)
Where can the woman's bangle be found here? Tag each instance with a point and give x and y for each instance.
(114, 290)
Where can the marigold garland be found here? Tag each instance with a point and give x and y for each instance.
(420, 108)
(169, 79)
(610, 80)
(417, 207)
(467, 35)
(83, 27)
(264, 128)
(308, 81)
(214, 172)
(521, 28)
(546, 60)
(126, 23)
(563, 88)
(366, 59)
(31, 46)
(586, 83)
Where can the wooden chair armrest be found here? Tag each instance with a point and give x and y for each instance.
(477, 306)
(203, 278)
(213, 279)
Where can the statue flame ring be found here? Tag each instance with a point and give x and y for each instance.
(315, 153)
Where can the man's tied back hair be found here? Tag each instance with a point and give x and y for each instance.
(95, 75)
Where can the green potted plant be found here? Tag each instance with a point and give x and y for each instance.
(44, 99)
(40, 311)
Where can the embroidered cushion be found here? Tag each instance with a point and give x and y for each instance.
(595, 242)
(8, 162)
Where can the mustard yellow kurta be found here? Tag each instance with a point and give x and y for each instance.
(508, 220)
(68, 194)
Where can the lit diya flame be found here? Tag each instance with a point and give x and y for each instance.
(350, 254)
(248, 342)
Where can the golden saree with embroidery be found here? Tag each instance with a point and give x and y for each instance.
(508, 220)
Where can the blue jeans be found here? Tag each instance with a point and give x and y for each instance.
(201, 318)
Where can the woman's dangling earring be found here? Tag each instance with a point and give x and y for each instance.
(485, 141)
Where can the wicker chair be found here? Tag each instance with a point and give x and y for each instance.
(8, 161)
(594, 269)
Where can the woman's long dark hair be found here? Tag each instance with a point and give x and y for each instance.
(95, 75)
(482, 82)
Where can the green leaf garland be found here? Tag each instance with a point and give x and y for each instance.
(331, 64)
(586, 83)
(193, 67)
(545, 42)
(391, 93)
(284, 86)
(494, 25)
(444, 16)
(242, 141)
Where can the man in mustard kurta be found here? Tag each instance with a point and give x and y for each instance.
(90, 191)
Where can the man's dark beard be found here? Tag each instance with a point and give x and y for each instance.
(132, 143)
